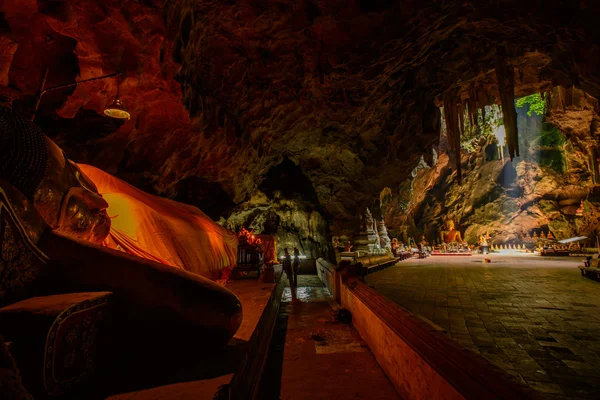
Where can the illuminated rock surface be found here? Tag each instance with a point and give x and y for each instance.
(538, 192)
(347, 91)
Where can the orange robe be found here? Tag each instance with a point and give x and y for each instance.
(163, 230)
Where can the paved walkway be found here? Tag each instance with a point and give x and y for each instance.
(316, 357)
(534, 317)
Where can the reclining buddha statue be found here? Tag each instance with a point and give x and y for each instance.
(162, 303)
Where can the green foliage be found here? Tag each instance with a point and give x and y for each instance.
(549, 148)
(488, 122)
(551, 136)
(536, 104)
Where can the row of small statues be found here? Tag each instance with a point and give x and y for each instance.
(542, 235)
(511, 246)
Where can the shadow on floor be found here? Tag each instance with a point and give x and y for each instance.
(151, 371)
(270, 385)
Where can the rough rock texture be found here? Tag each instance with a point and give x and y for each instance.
(286, 205)
(539, 191)
(223, 91)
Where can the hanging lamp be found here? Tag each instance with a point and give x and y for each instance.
(116, 109)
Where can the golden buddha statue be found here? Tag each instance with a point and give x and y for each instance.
(579, 211)
(535, 235)
(394, 245)
(69, 201)
(157, 303)
(450, 234)
(550, 235)
(542, 235)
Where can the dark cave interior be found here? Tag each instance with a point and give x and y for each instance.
(287, 120)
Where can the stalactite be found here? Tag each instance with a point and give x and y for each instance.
(472, 106)
(548, 100)
(566, 97)
(505, 74)
(482, 101)
(460, 112)
(521, 73)
(452, 128)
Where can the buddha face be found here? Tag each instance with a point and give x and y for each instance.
(69, 201)
(449, 225)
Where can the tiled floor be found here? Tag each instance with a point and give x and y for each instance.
(534, 317)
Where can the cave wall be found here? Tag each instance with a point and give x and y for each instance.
(347, 90)
(539, 191)
(286, 205)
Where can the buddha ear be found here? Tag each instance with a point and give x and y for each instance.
(82, 178)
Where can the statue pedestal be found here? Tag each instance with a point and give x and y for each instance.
(365, 242)
(383, 235)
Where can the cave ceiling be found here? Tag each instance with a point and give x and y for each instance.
(225, 90)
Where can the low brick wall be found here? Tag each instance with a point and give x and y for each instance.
(326, 272)
(422, 363)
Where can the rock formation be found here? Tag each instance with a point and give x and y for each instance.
(539, 191)
(222, 92)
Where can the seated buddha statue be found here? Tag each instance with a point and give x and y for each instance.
(394, 244)
(450, 234)
(158, 303)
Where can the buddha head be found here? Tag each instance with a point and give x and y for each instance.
(449, 225)
(68, 201)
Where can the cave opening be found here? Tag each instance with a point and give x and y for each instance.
(553, 177)
(287, 180)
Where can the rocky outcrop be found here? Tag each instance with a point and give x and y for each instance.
(286, 206)
(539, 191)
(295, 224)
(347, 90)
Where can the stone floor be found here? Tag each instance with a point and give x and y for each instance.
(534, 317)
(313, 356)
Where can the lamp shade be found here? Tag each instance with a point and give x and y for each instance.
(116, 109)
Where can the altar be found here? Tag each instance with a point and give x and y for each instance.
(452, 243)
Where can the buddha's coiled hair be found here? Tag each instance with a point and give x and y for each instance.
(23, 152)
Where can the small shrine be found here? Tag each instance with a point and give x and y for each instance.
(384, 239)
(368, 241)
(250, 254)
